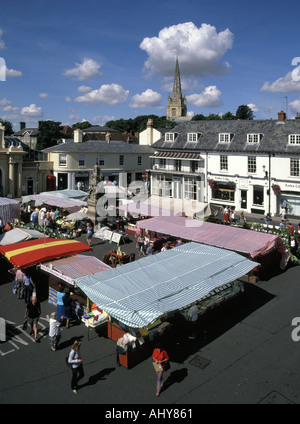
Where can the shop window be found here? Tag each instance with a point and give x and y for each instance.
(190, 189)
(223, 192)
(258, 195)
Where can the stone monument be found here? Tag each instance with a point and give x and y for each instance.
(95, 179)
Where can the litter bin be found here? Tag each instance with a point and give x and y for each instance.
(132, 257)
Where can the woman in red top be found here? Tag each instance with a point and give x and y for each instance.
(160, 356)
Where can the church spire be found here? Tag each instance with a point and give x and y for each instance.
(177, 93)
(176, 104)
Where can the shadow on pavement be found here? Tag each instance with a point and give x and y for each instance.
(212, 324)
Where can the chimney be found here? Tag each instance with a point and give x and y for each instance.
(77, 136)
(22, 126)
(150, 132)
(281, 116)
(298, 116)
(107, 137)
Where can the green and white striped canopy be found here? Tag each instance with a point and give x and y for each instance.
(141, 291)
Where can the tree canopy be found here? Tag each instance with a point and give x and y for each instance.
(243, 112)
(49, 134)
(139, 123)
(8, 127)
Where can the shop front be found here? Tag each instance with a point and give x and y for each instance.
(288, 198)
(222, 190)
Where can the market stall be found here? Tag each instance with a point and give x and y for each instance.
(17, 235)
(267, 249)
(71, 205)
(63, 273)
(27, 253)
(10, 210)
(138, 294)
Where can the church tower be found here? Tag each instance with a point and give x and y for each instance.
(177, 109)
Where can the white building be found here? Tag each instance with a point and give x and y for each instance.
(250, 165)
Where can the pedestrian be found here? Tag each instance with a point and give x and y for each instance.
(19, 279)
(160, 357)
(193, 319)
(76, 365)
(226, 215)
(32, 314)
(150, 250)
(268, 219)
(13, 272)
(54, 332)
(67, 308)
(28, 287)
(140, 242)
(89, 230)
(60, 303)
(34, 217)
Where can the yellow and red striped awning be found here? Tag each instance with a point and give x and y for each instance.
(32, 252)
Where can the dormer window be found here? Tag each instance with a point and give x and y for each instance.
(192, 137)
(253, 138)
(294, 139)
(169, 136)
(225, 137)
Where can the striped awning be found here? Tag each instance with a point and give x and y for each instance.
(68, 269)
(10, 209)
(141, 291)
(31, 252)
(177, 155)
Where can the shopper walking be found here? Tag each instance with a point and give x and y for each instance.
(19, 278)
(76, 365)
(67, 308)
(89, 230)
(60, 303)
(28, 287)
(54, 332)
(160, 357)
(32, 314)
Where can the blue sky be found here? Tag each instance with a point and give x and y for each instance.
(70, 61)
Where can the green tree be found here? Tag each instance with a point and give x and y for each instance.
(81, 125)
(244, 112)
(8, 127)
(228, 116)
(49, 134)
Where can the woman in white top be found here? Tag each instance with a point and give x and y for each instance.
(54, 332)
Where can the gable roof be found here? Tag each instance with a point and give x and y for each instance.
(100, 146)
(274, 136)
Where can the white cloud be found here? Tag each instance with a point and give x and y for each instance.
(32, 111)
(200, 50)
(107, 94)
(11, 108)
(295, 106)
(148, 98)
(2, 44)
(5, 102)
(253, 107)
(284, 84)
(83, 89)
(68, 99)
(89, 68)
(101, 120)
(210, 97)
(12, 73)
(43, 95)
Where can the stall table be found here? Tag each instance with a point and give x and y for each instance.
(118, 259)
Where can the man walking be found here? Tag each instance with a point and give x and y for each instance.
(33, 312)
